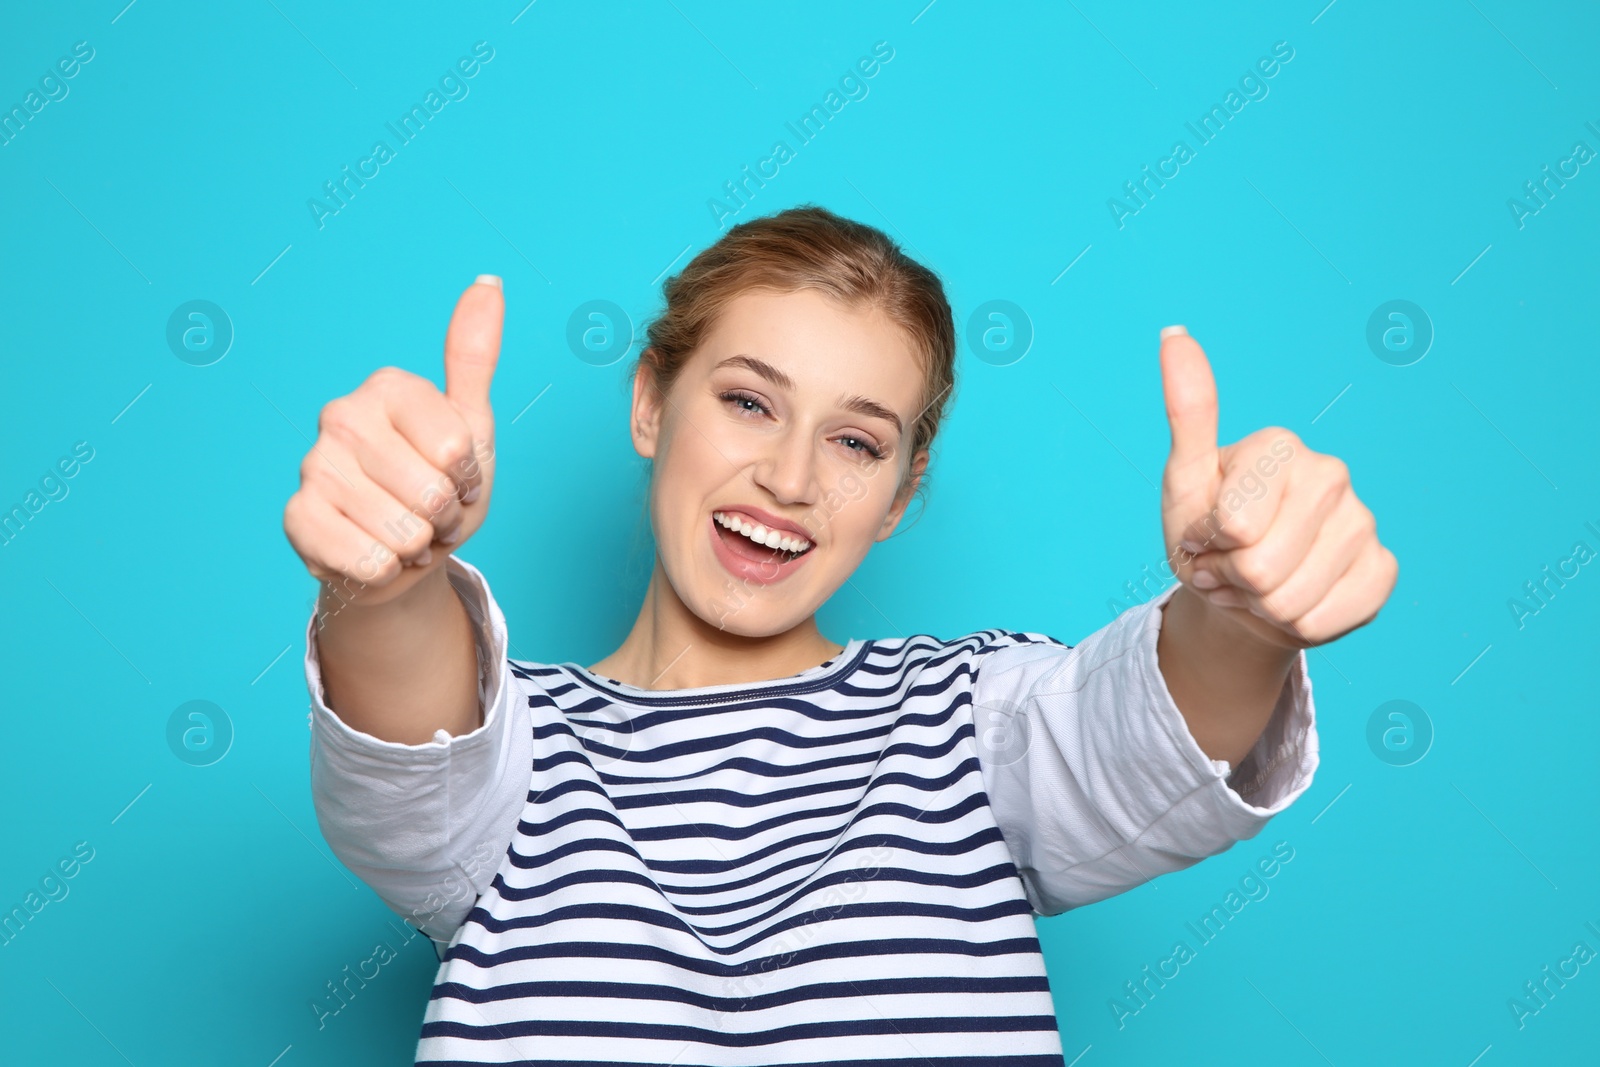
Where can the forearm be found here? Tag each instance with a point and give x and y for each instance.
(405, 668)
(1224, 681)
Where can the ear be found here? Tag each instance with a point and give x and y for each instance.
(919, 463)
(647, 405)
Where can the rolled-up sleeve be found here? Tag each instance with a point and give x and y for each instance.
(425, 826)
(1094, 779)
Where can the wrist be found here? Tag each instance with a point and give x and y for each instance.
(354, 598)
(1226, 633)
(1224, 681)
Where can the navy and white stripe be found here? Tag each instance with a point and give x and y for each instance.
(794, 871)
(831, 868)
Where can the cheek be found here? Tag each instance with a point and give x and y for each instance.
(857, 505)
(688, 472)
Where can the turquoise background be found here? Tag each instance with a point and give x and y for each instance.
(1379, 166)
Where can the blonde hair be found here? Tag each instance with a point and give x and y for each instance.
(810, 247)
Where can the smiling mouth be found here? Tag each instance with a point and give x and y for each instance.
(761, 541)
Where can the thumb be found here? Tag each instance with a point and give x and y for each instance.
(1191, 395)
(472, 348)
(1193, 474)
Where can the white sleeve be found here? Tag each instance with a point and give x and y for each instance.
(1093, 776)
(425, 826)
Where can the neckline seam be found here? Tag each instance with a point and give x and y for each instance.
(699, 695)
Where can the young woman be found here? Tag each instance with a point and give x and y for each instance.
(735, 840)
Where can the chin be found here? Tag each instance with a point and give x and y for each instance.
(746, 618)
(737, 625)
(746, 610)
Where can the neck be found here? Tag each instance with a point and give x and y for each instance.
(670, 647)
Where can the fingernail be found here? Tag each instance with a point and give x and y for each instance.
(424, 558)
(451, 536)
(1191, 547)
(1203, 580)
(494, 280)
(472, 494)
(1224, 598)
(1172, 331)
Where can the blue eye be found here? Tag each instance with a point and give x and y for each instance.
(734, 396)
(865, 449)
(741, 398)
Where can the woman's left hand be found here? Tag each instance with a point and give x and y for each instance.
(1268, 532)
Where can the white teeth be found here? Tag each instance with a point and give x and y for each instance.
(761, 535)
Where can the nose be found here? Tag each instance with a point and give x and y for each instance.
(788, 469)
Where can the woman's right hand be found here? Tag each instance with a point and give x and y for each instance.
(400, 474)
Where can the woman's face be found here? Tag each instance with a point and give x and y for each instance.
(794, 409)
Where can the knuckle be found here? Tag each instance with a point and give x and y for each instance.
(1273, 435)
(1244, 527)
(294, 514)
(451, 451)
(387, 377)
(314, 471)
(1389, 567)
(1338, 471)
(1366, 524)
(338, 416)
(333, 411)
(1285, 434)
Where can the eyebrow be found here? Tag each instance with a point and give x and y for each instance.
(859, 404)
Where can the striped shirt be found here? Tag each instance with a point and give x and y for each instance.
(841, 866)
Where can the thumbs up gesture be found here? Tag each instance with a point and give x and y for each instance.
(1267, 531)
(400, 474)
